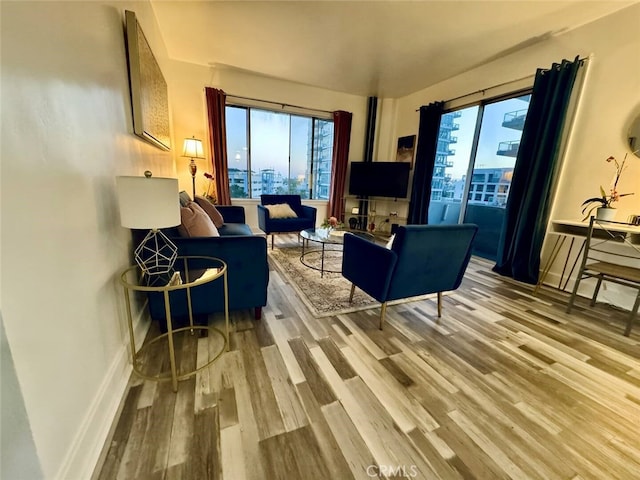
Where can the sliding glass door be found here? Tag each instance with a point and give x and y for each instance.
(477, 150)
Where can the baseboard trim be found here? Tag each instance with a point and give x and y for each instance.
(86, 450)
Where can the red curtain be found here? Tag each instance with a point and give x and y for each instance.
(218, 142)
(341, 140)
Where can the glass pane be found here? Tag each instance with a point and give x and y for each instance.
(300, 163)
(269, 152)
(498, 143)
(322, 158)
(455, 139)
(237, 161)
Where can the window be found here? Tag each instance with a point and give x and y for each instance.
(471, 182)
(278, 153)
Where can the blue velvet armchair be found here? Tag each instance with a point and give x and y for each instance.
(306, 216)
(422, 259)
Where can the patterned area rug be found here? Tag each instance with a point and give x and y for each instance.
(327, 295)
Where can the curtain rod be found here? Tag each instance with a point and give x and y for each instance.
(279, 103)
(483, 90)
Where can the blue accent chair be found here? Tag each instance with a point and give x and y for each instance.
(422, 259)
(306, 215)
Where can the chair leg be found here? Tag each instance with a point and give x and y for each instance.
(353, 289)
(632, 316)
(439, 304)
(272, 237)
(383, 313)
(596, 291)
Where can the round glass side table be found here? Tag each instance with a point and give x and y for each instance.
(189, 272)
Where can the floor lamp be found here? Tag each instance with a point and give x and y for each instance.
(192, 148)
(151, 203)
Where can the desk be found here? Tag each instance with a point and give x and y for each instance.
(194, 271)
(577, 230)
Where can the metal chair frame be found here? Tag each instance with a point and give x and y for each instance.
(606, 264)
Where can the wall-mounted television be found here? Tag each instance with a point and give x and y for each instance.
(379, 179)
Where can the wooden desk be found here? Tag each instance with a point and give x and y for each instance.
(577, 230)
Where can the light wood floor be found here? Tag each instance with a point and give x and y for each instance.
(504, 385)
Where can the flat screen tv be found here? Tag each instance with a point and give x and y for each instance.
(379, 179)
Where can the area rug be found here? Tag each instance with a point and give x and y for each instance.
(327, 295)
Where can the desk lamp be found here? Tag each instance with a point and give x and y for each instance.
(192, 148)
(151, 203)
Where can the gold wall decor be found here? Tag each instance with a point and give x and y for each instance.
(149, 97)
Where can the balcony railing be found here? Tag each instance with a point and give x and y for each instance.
(515, 120)
(508, 149)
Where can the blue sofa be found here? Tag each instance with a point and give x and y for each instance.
(306, 216)
(248, 272)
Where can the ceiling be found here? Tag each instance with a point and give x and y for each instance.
(369, 48)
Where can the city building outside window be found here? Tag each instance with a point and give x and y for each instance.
(278, 153)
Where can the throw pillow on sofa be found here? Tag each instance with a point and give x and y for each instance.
(281, 210)
(194, 222)
(184, 198)
(211, 210)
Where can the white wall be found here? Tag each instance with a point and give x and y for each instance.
(610, 100)
(66, 134)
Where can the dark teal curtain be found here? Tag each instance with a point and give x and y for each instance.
(529, 202)
(425, 160)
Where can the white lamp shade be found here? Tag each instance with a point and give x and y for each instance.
(192, 147)
(148, 203)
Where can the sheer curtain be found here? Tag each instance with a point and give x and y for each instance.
(216, 100)
(341, 140)
(530, 194)
(425, 160)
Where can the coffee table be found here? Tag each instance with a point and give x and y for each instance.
(324, 236)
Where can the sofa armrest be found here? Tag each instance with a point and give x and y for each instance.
(232, 213)
(263, 218)
(309, 212)
(368, 265)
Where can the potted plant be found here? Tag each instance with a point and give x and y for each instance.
(603, 203)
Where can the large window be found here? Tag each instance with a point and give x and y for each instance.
(276, 153)
(477, 151)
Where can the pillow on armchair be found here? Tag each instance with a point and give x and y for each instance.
(281, 210)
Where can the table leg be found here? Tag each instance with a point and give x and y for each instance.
(554, 253)
(322, 262)
(172, 352)
(130, 324)
(226, 309)
(575, 262)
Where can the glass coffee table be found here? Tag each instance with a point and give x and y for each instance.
(324, 237)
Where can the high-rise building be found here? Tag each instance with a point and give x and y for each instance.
(441, 185)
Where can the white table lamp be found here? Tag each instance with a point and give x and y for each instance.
(151, 203)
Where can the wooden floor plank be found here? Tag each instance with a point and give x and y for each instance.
(265, 405)
(293, 415)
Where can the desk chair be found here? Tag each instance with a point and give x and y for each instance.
(604, 259)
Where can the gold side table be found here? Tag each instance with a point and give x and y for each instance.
(193, 271)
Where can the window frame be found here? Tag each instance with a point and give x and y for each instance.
(309, 114)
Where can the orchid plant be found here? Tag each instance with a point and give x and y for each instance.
(606, 200)
(209, 194)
